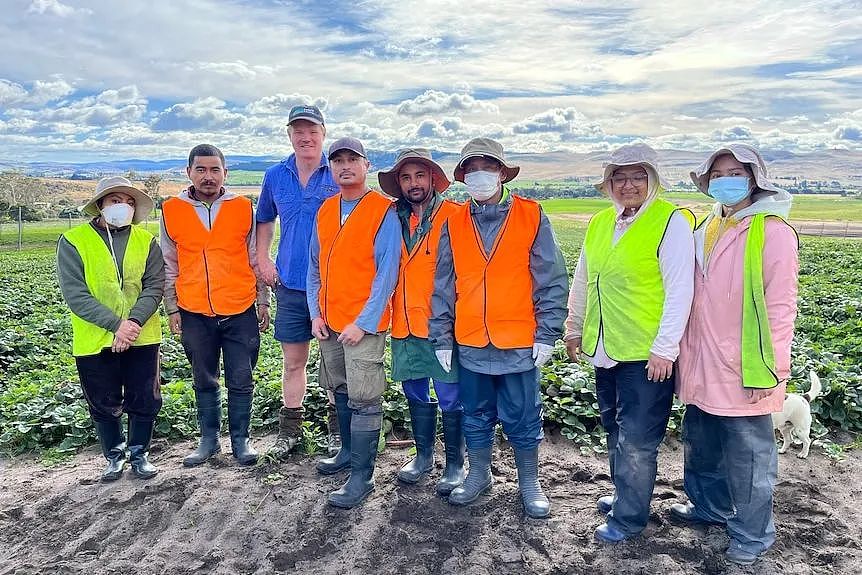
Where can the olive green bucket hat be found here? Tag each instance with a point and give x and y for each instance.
(389, 178)
(479, 147)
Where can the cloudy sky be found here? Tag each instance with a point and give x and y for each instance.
(100, 79)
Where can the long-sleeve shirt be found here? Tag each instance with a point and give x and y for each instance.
(282, 195)
(676, 262)
(548, 271)
(207, 215)
(387, 255)
(70, 274)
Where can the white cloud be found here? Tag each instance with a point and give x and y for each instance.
(54, 7)
(436, 102)
(280, 104)
(208, 114)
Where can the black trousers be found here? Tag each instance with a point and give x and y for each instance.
(206, 338)
(128, 382)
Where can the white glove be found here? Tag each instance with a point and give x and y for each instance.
(542, 353)
(444, 356)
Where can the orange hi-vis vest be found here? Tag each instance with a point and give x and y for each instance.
(347, 265)
(411, 302)
(215, 276)
(494, 293)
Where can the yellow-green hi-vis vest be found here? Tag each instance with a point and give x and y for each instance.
(758, 354)
(625, 291)
(100, 273)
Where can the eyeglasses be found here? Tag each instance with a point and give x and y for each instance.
(636, 180)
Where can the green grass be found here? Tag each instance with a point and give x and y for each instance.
(805, 207)
(44, 234)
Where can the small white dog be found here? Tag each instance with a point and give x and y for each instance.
(795, 418)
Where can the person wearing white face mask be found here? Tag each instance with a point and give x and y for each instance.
(734, 358)
(498, 253)
(111, 275)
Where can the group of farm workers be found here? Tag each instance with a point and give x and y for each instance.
(473, 297)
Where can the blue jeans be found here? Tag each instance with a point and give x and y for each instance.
(513, 399)
(730, 468)
(634, 413)
(418, 390)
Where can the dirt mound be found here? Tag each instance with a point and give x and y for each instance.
(221, 518)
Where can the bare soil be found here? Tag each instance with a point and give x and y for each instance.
(221, 518)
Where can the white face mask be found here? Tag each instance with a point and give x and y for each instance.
(118, 215)
(482, 185)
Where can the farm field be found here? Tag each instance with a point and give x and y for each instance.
(273, 519)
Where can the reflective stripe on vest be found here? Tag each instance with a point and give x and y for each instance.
(347, 265)
(100, 274)
(494, 293)
(411, 302)
(758, 353)
(215, 276)
(625, 291)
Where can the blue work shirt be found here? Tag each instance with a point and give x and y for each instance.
(282, 196)
(387, 260)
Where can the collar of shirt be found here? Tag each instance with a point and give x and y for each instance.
(290, 164)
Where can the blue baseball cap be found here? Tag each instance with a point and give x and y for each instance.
(309, 113)
(351, 144)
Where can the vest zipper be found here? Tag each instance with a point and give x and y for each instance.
(206, 264)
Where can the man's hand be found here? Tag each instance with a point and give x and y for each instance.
(444, 357)
(125, 335)
(263, 317)
(268, 272)
(175, 323)
(658, 368)
(573, 348)
(318, 329)
(351, 335)
(542, 353)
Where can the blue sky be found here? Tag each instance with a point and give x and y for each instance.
(96, 79)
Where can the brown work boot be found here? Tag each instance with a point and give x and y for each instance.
(289, 432)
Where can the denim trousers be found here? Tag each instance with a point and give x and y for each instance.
(731, 464)
(513, 399)
(419, 391)
(634, 413)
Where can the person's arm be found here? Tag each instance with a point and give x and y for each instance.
(172, 269)
(441, 324)
(152, 286)
(387, 258)
(676, 261)
(780, 284)
(550, 284)
(312, 283)
(577, 303)
(73, 286)
(265, 231)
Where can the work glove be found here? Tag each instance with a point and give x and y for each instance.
(444, 356)
(542, 353)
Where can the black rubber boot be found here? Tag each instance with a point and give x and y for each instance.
(364, 437)
(289, 431)
(341, 460)
(423, 420)
(209, 418)
(536, 504)
(479, 479)
(140, 434)
(238, 420)
(453, 438)
(333, 437)
(113, 448)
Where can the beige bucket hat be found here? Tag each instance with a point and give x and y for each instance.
(389, 178)
(489, 148)
(745, 154)
(632, 155)
(143, 202)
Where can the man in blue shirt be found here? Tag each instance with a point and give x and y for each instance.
(293, 191)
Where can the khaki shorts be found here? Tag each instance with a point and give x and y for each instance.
(356, 370)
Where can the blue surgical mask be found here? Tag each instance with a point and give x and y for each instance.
(729, 190)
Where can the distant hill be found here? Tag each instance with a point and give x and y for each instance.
(841, 165)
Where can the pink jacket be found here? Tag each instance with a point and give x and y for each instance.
(710, 369)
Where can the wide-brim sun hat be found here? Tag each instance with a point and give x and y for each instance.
(143, 202)
(745, 154)
(389, 178)
(632, 155)
(488, 148)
